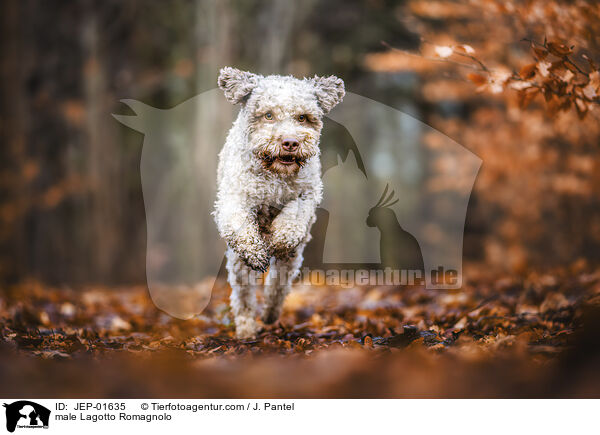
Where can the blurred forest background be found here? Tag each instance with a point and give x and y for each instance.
(71, 206)
(515, 82)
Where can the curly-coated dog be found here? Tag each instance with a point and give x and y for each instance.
(269, 184)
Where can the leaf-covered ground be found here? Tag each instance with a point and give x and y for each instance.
(505, 337)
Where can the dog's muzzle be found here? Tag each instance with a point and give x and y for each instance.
(285, 156)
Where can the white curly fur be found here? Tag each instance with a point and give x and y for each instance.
(265, 206)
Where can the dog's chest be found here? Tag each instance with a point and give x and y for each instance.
(264, 217)
(270, 198)
(274, 192)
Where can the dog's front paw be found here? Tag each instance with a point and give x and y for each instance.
(254, 253)
(258, 261)
(284, 242)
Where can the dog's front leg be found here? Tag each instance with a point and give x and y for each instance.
(237, 225)
(290, 231)
(292, 225)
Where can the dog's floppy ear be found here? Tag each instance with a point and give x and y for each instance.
(236, 84)
(329, 91)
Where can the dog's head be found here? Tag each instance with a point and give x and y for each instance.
(284, 114)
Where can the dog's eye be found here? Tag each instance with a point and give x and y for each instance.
(268, 116)
(301, 118)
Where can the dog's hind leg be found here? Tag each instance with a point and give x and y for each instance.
(279, 282)
(243, 284)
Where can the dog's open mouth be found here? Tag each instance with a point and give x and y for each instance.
(287, 159)
(282, 162)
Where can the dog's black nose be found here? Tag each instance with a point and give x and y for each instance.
(289, 144)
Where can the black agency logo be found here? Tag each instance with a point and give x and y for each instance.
(26, 414)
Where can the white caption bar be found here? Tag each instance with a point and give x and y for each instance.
(66, 416)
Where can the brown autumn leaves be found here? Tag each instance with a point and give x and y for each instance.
(554, 74)
(505, 330)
